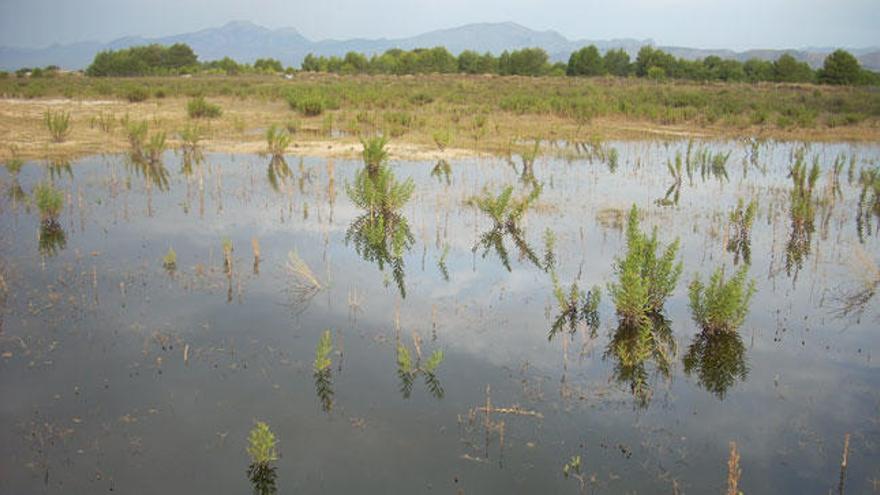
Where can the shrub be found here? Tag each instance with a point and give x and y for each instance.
(309, 105)
(155, 147)
(375, 154)
(199, 108)
(49, 200)
(262, 444)
(137, 94)
(722, 305)
(645, 280)
(58, 124)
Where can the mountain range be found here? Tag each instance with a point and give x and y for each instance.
(245, 42)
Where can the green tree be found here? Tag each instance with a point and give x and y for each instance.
(268, 65)
(840, 67)
(586, 62)
(758, 70)
(617, 62)
(787, 69)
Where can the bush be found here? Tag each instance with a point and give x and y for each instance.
(58, 124)
(137, 94)
(645, 280)
(198, 108)
(722, 305)
(277, 140)
(49, 200)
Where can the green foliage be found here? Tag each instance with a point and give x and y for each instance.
(575, 306)
(58, 124)
(721, 305)
(137, 135)
(840, 67)
(143, 60)
(645, 280)
(787, 69)
(277, 140)
(155, 147)
(718, 359)
(199, 108)
(407, 371)
(505, 209)
(49, 200)
(262, 444)
(269, 65)
(586, 62)
(572, 467)
(634, 347)
(375, 155)
(380, 193)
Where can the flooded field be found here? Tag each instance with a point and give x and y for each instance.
(435, 343)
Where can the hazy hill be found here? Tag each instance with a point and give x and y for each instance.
(245, 42)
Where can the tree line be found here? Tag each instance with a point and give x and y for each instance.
(840, 67)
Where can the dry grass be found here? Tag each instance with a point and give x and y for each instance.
(383, 99)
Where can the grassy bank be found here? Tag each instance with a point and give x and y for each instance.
(476, 113)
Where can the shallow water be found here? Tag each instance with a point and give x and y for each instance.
(117, 374)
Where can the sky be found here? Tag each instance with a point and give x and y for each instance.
(735, 24)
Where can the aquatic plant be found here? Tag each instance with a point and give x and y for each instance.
(575, 306)
(277, 140)
(645, 279)
(137, 136)
(718, 361)
(375, 155)
(441, 263)
(199, 108)
(169, 262)
(304, 283)
(190, 136)
(549, 250)
(378, 191)
(868, 209)
(322, 373)
(673, 194)
(155, 147)
(721, 305)
(263, 451)
(635, 346)
(262, 444)
(442, 170)
(58, 124)
(383, 239)
(801, 212)
(103, 121)
(506, 212)
(52, 237)
(227, 255)
(407, 371)
(739, 241)
(49, 201)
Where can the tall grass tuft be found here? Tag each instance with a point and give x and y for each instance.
(722, 304)
(49, 201)
(58, 124)
(277, 140)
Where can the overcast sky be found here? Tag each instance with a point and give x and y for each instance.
(737, 24)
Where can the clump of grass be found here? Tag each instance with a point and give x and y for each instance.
(103, 121)
(277, 140)
(49, 201)
(741, 220)
(645, 280)
(169, 262)
(155, 147)
(322, 372)
(199, 108)
(58, 124)
(137, 136)
(722, 304)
